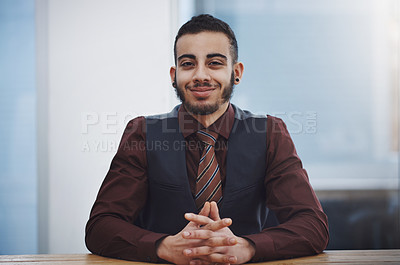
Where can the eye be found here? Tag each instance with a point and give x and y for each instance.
(215, 63)
(187, 64)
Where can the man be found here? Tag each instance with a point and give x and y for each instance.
(207, 183)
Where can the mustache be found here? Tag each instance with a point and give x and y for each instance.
(204, 84)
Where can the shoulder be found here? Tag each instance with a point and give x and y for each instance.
(138, 124)
(245, 114)
(135, 129)
(276, 126)
(135, 124)
(172, 114)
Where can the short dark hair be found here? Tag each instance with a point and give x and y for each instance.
(207, 22)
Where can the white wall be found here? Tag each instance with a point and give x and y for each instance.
(102, 62)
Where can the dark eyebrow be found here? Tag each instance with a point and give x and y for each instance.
(212, 55)
(190, 56)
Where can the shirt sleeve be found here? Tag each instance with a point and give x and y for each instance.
(110, 230)
(303, 228)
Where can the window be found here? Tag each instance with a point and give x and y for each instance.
(330, 71)
(18, 178)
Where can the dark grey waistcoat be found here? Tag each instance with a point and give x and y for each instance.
(169, 196)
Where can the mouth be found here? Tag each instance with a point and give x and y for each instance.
(201, 91)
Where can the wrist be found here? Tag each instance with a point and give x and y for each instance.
(162, 249)
(249, 246)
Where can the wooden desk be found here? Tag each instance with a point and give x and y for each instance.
(328, 257)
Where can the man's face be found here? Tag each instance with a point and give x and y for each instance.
(204, 73)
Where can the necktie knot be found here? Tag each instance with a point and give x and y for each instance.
(207, 137)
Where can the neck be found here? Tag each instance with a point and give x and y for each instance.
(207, 120)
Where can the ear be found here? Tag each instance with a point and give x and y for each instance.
(172, 73)
(238, 69)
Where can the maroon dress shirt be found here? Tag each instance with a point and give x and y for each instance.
(303, 228)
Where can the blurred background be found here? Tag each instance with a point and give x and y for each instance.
(73, 73)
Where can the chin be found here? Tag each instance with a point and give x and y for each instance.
(203, 108)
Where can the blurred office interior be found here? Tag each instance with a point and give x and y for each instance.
(74, 72)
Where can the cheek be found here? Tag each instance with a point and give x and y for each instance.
(223, 78)
(183, 77)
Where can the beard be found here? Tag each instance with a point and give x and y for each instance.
(209, 108)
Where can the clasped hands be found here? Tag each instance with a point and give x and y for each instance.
(206, 239)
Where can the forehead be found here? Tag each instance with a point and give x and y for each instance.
(203, 43)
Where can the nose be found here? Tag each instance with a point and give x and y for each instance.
(201, 74)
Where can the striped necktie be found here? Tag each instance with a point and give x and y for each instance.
(208, 182)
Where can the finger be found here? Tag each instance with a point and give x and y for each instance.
(214, 211)
(205, 262)
(209, 254)
(211, 240)
(201, 262)
(221, 241)
(198, 219)
(217, 225)
(197, 234)
(220, 258)
(223, 258)
(207, 224)
(205, 211)
(198, 252)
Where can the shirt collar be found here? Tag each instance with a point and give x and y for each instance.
(189, 125)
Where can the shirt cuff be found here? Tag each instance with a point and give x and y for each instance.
(265, 248)
(148, 248)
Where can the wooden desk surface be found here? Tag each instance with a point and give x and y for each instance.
(328, 257)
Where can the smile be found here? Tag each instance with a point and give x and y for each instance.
(202, 92)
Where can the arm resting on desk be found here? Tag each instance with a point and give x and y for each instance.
(303, 228)
(110, 230)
